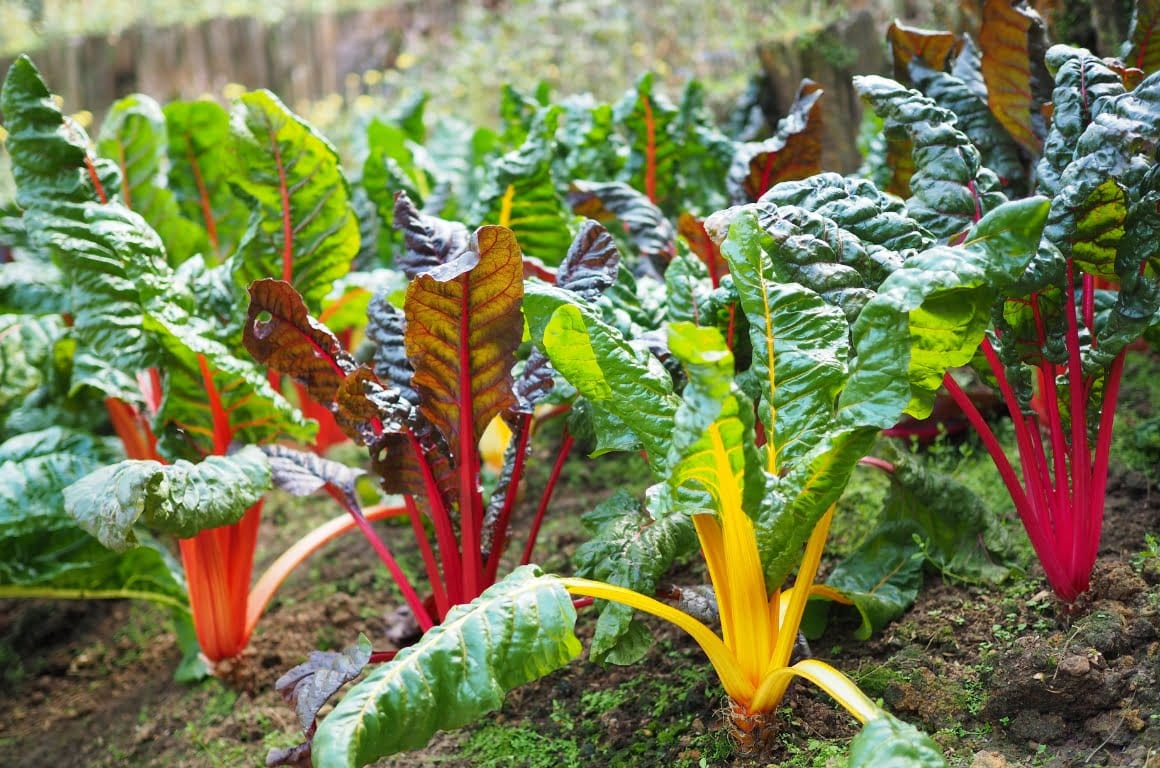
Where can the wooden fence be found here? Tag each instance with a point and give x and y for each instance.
(300, 57)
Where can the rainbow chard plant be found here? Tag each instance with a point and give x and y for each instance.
(1055, 352)
(161, 344)
(749, 463)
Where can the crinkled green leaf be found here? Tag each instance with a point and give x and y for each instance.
(521, 195)
(958, 533)
(950, 189)
(201, 167)
(886, 742)
(304, 228)
(31, 286)
(997, 150)
(1083, 84)
(180, 498)
(42, 551)
(687, 287)
(104, 252)
(654, 155)
(630, 548)
(26, 346)
(596, 359)
(518, 630)
(394, 164)
(705, 154)
(882, 576)
(589, 140)
(856, 206)
(800, 344)
(931, 314)
(134, 136)
(800, 498)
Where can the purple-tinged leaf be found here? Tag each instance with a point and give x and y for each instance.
(307, 687)
(304, 473)
(592, 262)
(386, 327)
(651, 234)
(429, 240)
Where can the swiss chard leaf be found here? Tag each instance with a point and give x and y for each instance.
(180, 498)
(521, 195)
(887, 741)
(950, 189)
(1008, 39)
(463, 328)
(650, 233)
(882, 576)
(42, 551)
(518, 630)
(596, 359)
(800, 344)
(428, 241)
(200, 153)
(793, 152)
(304, 227)
(1142, 50)
(134, 136)
(653, 156)
(104, 251)
(630, 548)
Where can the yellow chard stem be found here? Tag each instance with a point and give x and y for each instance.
(837, 685)
(736, 684)
(787, 632)
(743, 594)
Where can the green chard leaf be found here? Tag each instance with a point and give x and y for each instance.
(303, 228)
(180, 498)
(630, 548)
(201, 168)
(104, 251)
(882, 576)
(706, 154)
(520, 194)
(950, 189)
(888, 742)
(594, 357)
(997, 150)
(653, 156)
(1083, 84)
(134, 136)
(43, 553)
(931, 314)
(518, 630)
(800, 344)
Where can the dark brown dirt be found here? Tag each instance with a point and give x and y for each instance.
(1000, 677)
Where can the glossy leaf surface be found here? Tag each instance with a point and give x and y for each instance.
(180, 498)
(516, 631)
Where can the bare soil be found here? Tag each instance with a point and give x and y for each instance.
(1000, 676)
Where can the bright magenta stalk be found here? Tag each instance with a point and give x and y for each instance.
(1060, 498)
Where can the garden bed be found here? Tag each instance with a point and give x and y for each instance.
(999, 676)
